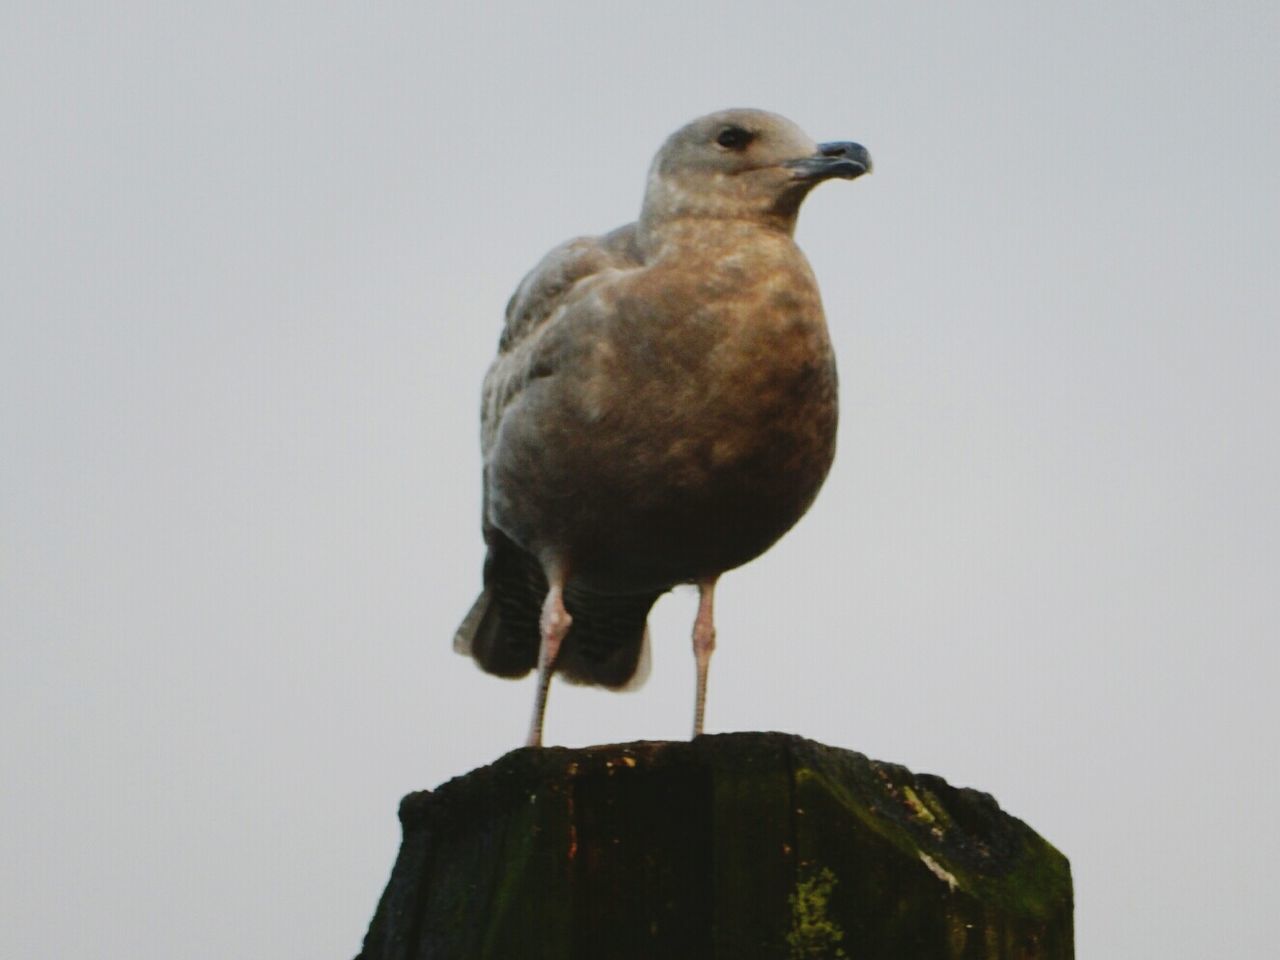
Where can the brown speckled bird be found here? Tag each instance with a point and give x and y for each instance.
(662, 408)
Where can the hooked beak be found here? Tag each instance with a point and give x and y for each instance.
(838, 159)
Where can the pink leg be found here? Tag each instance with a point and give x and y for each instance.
(554, 624)
(704, 641)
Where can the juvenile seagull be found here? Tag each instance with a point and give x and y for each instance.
(662, 408)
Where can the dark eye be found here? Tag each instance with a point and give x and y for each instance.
(734, 138)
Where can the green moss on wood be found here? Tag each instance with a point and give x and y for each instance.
(813, 934)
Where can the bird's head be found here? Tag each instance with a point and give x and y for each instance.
(743, 165)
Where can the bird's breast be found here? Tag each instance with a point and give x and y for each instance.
(693, 430)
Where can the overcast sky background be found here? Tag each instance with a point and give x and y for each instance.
(253, 261)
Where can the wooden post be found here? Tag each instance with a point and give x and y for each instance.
(742, 846)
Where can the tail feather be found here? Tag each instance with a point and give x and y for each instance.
(606, 646)
(482, 637)
(607, 643)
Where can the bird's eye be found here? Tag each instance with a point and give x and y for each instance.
(734, 138)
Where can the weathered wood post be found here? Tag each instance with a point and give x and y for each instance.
(742, 846)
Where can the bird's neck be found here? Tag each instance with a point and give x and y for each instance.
(696, 235)
(673, 214)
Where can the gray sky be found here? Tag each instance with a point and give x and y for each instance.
(252, 266)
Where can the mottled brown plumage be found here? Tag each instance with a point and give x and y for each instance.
(662, 408)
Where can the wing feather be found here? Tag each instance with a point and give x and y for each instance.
(534, 311)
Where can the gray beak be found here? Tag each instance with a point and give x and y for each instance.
(838, 159)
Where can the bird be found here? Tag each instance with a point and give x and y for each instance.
(661, 410)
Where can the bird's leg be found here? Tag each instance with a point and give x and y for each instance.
(554, 624)
(704, 641)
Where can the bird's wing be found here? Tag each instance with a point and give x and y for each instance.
(607, 644)
(536, 306)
